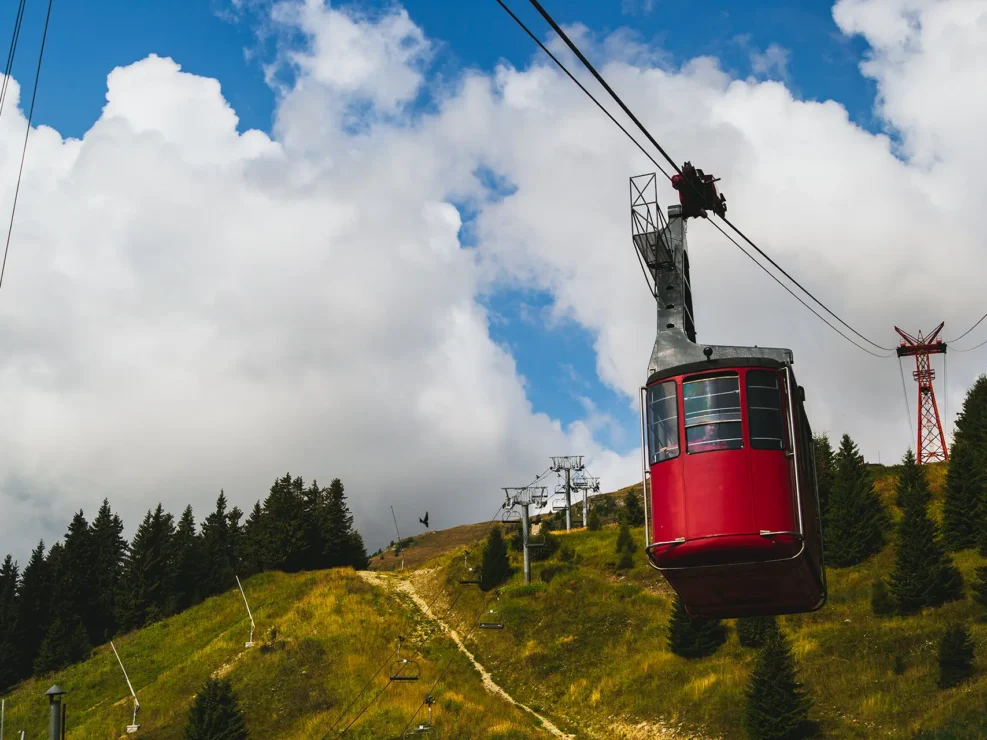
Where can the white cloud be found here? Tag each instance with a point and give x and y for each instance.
(772, 62)
(188, 308)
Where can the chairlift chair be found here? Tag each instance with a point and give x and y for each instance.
(425, 729)
(404, 669)
(537, 540)
(473, 577)
(491, 619)
(558, 504)
(510, 516)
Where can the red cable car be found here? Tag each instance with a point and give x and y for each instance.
(731, 502)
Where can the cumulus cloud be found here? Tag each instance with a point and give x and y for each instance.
(190, 307)
(772, 62)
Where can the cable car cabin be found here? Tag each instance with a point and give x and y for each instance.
(734, 521)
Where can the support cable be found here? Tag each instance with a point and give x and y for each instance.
(8, 69)
(30, 117)
(650, 138)
(968, 331)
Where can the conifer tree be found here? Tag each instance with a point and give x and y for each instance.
(77, 575)
(633, 508)
(217, 550)
(147, 587)
(65, 642)
(34, 614)
(593, 523)
(252, 552)
(215, 714)
(923, 574)
(11, 643)
(777, 705)
(956, 655)
(693, 638)
(284, 517)
(108, 550)
(345, 544)
(625, 545)
(189, 565)
(823, 450)
(964, 504)
(495, 567)
(753, 632)
(882, 604)
(856, 519)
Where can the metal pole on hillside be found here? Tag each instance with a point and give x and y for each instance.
(249, 643)
(525, 523)
(55, 694)
(3, 715)
(133, 726)
(394, 517)
(568, 463)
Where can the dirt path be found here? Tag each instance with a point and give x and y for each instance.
(391, 583)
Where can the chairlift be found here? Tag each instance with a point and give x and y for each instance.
(491, 619)
(537, 540)
(404, 669)
(510, 516)
(425, 729)
(559, 504)
(473, 577)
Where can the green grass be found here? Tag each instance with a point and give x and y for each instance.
(334, 630)
(591, 644)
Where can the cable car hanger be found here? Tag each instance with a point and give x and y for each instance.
(404, 669)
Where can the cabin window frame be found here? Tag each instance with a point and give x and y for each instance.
(782, 417)
(690, 447)
(667, 423)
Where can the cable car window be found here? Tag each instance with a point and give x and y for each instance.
(765, 416)
(712, 413)
(663, 422)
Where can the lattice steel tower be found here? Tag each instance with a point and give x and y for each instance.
(931, 446)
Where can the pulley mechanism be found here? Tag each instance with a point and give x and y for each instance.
(697, 193)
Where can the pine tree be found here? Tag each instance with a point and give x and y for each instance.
(594, 520)
(65, 642)
(923, 574)
(215, 713)
(633, 508)
(108, 551)
(625, 545)
(34, 614)
(693, 638)
(217, 550)
(964, 504)
(777, 705)
(11, 642)
(956, 655)
(284, 518)
(345, 544)
(147, 587)
(856, 519)
(824, 470)
(77, 576)
(252, 552)
(753, 632)
(495, 567)
(189, 564)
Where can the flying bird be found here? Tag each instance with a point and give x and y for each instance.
(425, 520)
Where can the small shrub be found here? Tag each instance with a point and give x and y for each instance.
(215, 713)
(777, 706)
(594, 520)
(567, 554)
(881, 603)
(955, 656)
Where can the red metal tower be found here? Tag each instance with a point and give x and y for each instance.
(931, 440)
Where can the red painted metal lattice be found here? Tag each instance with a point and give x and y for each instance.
(931, 445)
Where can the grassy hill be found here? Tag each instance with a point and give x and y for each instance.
(333, 631)
(587, 645)
(583, 645)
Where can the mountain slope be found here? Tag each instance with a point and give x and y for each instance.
(333, 631)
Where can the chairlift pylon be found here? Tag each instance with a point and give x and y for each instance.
(404, 669)
(473, 577)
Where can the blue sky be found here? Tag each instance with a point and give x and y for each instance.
(87, 40)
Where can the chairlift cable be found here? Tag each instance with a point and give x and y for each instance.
(599, 77)
(417, 652)
(30, 117)
(457, 653)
